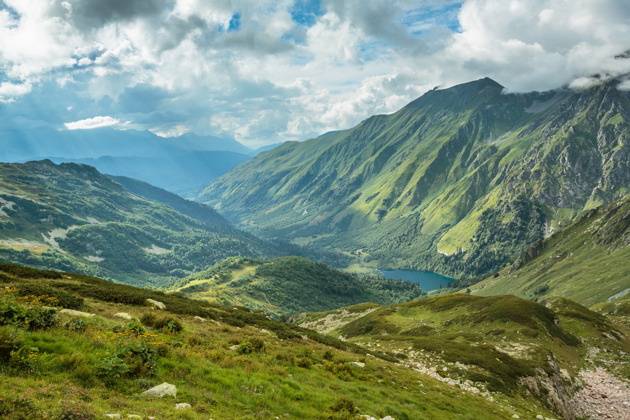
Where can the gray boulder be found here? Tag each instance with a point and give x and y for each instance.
(162, 390)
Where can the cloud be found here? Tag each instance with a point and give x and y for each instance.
(264, 71)
(91, 123)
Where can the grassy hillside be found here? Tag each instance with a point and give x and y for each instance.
(586, 262)
(460, 181)
(286, 285)
(71, 217)
(235, 363)
(495, 344)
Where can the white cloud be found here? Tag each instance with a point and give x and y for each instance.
(273, 79)
(91, 123)
(9, 91)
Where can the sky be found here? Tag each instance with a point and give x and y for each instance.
(262, 72)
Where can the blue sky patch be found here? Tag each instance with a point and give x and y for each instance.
(306, 12)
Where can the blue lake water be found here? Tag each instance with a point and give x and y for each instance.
(425, 279)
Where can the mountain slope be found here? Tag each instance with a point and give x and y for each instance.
(496, 345)
(232, 363)
(71, 217)
(286, 285)
(586, 262)
(459, 181)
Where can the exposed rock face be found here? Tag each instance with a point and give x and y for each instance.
(162, 390)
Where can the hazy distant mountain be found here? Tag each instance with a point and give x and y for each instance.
(180, 172)
(459, 181)
(180, 165)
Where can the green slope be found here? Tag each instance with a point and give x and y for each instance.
(460, 181)
(71, 217)
(587, 262)
(286, 285)
(238, 364)
(503, 345)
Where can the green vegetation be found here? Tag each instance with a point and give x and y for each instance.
(286, 285)
(493, 343)
(70, 217)
(459, 182)
(236, 364)
(586, 262)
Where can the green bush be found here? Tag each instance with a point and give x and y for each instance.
(26, 313)
(61, 298)
(8, 343)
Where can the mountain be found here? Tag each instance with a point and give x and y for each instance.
(500, 345)
(460, 181)
(71, 217)
(264, 149)
(286, 285)
(182, 164)
(586, 262)
(21, 144)
(182, 171)
(225, 362)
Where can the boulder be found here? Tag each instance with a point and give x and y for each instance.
(182, 406)
(72, 312)
(112, 416)
(123, 315)
(358, 364)
(156, 304)
(162, 390)
(200, 319)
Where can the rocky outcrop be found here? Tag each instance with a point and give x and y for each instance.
(155, 304)
(72, 312)
(162, 390)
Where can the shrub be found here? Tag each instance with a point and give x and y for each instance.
(8, 343)
(76, 324)
(25, 312)
(61, 298)
(72, 410)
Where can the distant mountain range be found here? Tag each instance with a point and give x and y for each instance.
(182, 165)
(460, 181)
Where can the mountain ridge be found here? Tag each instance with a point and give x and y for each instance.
(459, 181)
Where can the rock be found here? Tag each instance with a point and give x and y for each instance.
(162, 390)
(72, 312)
(265, 331)
(200, 319)
(516, 416)
(358, 364)
(182, 406)
(234, 347)
(156, 304)
(112, 416)
(134, 416)
(539, 417)
(388, 418)
(123, 315)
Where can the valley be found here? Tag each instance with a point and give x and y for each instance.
(465, 257)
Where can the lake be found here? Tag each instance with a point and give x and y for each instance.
(425, 279)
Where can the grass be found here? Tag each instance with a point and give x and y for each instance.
(244, 366)
(493, 342)
(585, 262)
